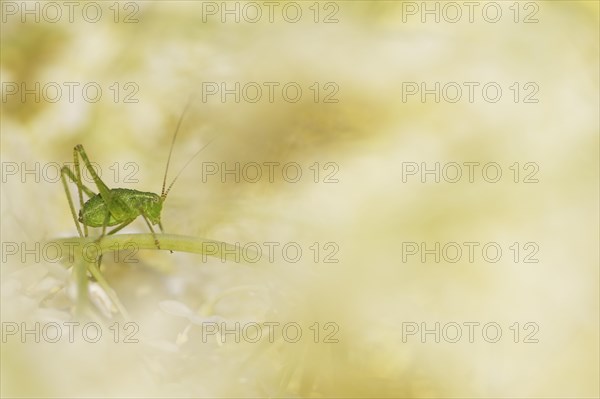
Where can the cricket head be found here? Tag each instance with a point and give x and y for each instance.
(153, 208)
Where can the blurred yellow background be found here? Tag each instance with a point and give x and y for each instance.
(364, 121)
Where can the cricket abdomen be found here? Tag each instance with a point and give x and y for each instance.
(125, 205)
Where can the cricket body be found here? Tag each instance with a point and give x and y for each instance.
(137, 203)
(117, 206)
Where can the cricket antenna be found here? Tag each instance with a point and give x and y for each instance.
(165, 193)
(187, 106)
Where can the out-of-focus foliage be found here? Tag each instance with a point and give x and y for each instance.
(368, 133)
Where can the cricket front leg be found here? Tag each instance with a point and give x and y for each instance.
(151, 228)
(162, 230)
(121, 226)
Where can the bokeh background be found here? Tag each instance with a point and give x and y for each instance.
(160, 53)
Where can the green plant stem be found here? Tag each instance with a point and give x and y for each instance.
(83, 254)
(89, 247)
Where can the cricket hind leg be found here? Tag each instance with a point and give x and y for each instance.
(65, 173)
(78, 152)
(115, 206)
(69, 173)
